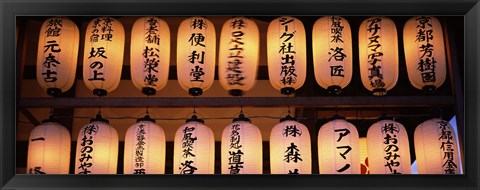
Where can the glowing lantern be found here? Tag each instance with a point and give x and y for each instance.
(436, 148)
(338, 148)
(49, 149)
(286, 44)
(103, 61)
(332, 53)
(378, 53)
(150, 54)
(144, 148)
(57, 55)
(97, 148)
(194, 148)
(363, 156)
(196, 55)
(388, 148)
(425, 53)
(238, 55)
(242, 148)
(290, 148)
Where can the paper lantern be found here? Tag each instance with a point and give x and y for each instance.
(338, 148)
(363, 156)
(332, 53)
(238, 55)
(242, 148)
(150, 54)
(378, 53)
(194, 149)
(97, 148)
(290, 149)
(144, 148)
(425, 53)
(196, 55)
(103, 55)
(57, 55)
(436, 148)
(286, 53)
(388, 148)
(49, 149)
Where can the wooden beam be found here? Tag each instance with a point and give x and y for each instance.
(325, 102)
(30, 116)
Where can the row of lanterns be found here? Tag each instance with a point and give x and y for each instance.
(385, 150)
(238, 54)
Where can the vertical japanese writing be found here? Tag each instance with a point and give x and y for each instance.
(446, 139)
(344, 146)
(139, 159)
(336, 47)
(375, 53)
(235, 58)
(102, 31)
(151, 52)
(292, 153)
(51, 50)
(87, 148)
(287, 50)
(424, 39)
(188, 142)
(390, 131)
(235, 159)
(197, 47)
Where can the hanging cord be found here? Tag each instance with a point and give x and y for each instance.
(288, 104)
(194, 105)
(146, 109)
(241, 104)
(99, 107)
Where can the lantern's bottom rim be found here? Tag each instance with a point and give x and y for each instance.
(287, 91)
(429, 89)
(99, 92)
(149, 91)
(334, 89)
(195, 91)
(379, 92)
(54, 91)
(235, 92)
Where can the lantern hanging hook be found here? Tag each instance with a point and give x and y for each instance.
(194, 112)
(288, 103)
(146, 107)
(241, 104)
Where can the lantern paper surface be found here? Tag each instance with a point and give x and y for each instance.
(103, 54)
(196, 53)
(242, 149)
(332, 52)
(338, 148)
(150, 53)
(363, 156)
(57, 54)
(144, 149)
(239, 54)
(49, 149)
(378, 53)
(436, 148)
(194, 149)
(286, 53)
(290, 149)
(424, 52)
(97, 149)
(388, 148)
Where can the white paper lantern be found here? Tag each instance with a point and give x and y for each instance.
(196, 55)
(103, 55)
(286, 53)
(363, 156)
(242, 149)
(144, 148)
(97, 149)
(332, 53)
(338, 148)
(238, 55)
(194, 149)
(378, 54)
(57, 55)
(49, 149)
(436, 148)
(388, 148)
(425, 52)
(150, 54)
(290, 149)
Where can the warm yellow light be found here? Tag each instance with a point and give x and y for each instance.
(57, 55)
(363, 156)
(150, 54)
(338, 148)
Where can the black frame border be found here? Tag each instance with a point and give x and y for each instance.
(9, 9)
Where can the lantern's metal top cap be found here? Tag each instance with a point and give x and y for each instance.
(146, 118)
(241, 117)
(98, 117)
(50, 119)
(195, 119)
(384, 117)
(288, 118)
(336, 116)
